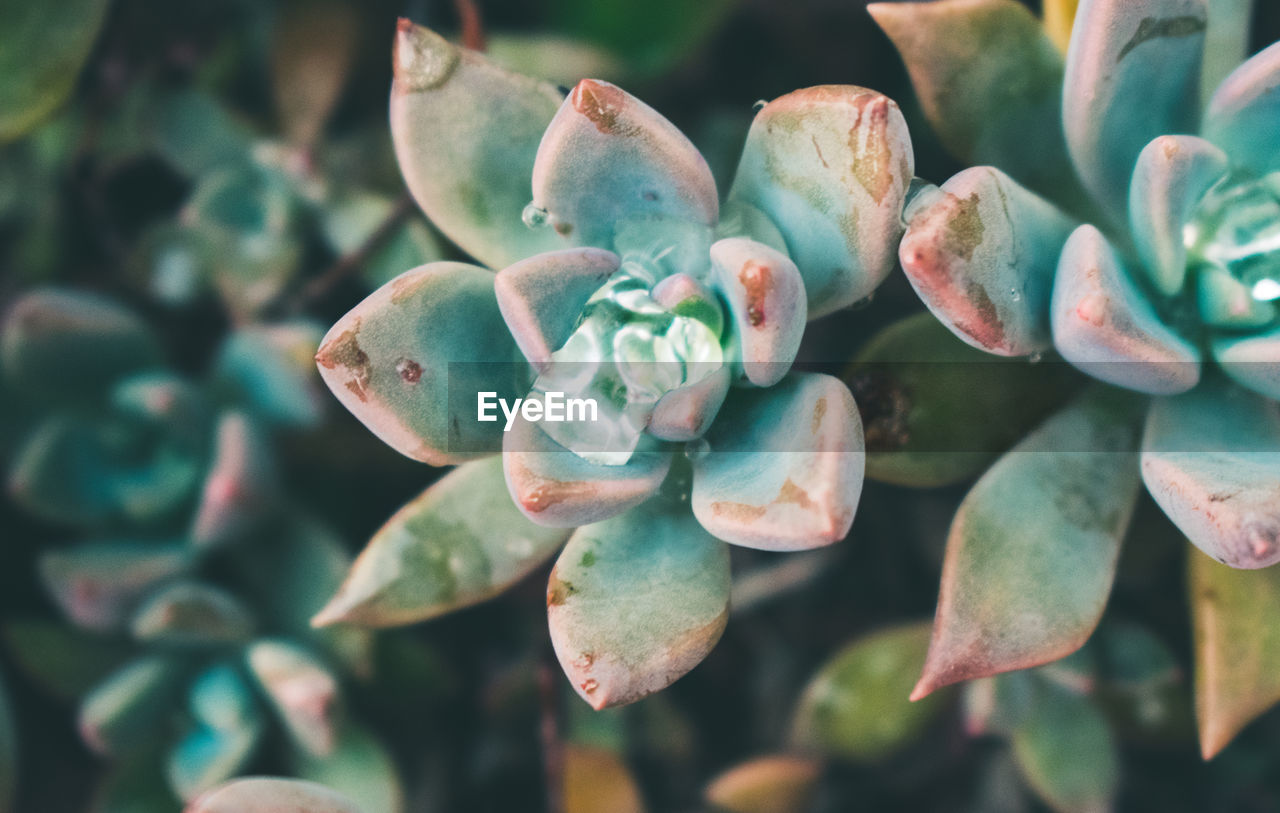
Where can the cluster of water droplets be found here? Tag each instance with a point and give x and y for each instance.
(1236, 228)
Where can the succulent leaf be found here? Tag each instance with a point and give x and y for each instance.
(1032, 550)
(460, 542)
(1250, 360)
(42, 50)
(555, 487)
(686, 413)
(1007, 111)
(607, 158)
(187, 614)
(409, 360)
(784, 470)
(1132, 73)
(841, 225)
(1226, 42)
(597, 779)
(1244, 113)
(359, 768)
(772, 784)
(303, 690)
(1211, 460)
(204, 758)
(72, 346)
(982, 254)
(856, 706)
(1236, 641)
(240, 489)
(98, 585)
(636, 601)
(1067, 753)
(131, 705)
(265, 795)
(1107, 327)
(542, 297)
(63, 661)
(927, 401)
(1172, 174)
(765, 296)
(267, 370)
(466, 133)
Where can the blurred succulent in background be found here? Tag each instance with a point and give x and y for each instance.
(196, 571)
(1174, 268)
(623, 279)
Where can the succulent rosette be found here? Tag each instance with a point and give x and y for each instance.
(1134, 231)
(623, 277)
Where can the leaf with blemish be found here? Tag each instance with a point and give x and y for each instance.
(936, 411)
(784, 471)
(410, 359)
(856, 706)
(990, 81)
(636, 601)
(1237, 647)
(830, 166)
(466, 132)
(1032, 551)
(460, 542)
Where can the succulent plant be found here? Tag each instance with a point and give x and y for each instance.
(172, 485)
(1145, 256)
(623, 278)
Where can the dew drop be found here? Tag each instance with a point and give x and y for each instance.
(697, 449)
(535, 217)
(1036, 357)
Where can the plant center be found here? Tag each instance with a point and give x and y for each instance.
(1236, 228)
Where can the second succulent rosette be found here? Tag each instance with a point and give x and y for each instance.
(623, 277)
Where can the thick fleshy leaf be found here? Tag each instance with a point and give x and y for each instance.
(841, 225)
(9, 755)
(636, 601)
(928, 400)
(1244, 113)
(264, 795)
(1172, 175)
(303, 690)
(1133, 73)
(42, 49)
(1066, 753)
(61, 660)
(459, 542)
(222, 699)
(1228, 303)
(1226, 42)
(72, 345)
(856, 706)
(311, 54)
(131, 705)
(1032, 551)
(765, 296)
(1253, 361)
(1211, 460)
(241, 489)
(1107, 327)
(982, 253)
(1237, 646)
(204, 758)
(555, 487)
(1007, 111)
(784, 470)
(1142, 687)
(192, 614)
(359, 768)
(409, 360)
(466, 133)
(267, 370)
(97, 585)
(596, 779)
(686, 413)
(608, 157)
(554, 56)
(542, 297)
(773, 784)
